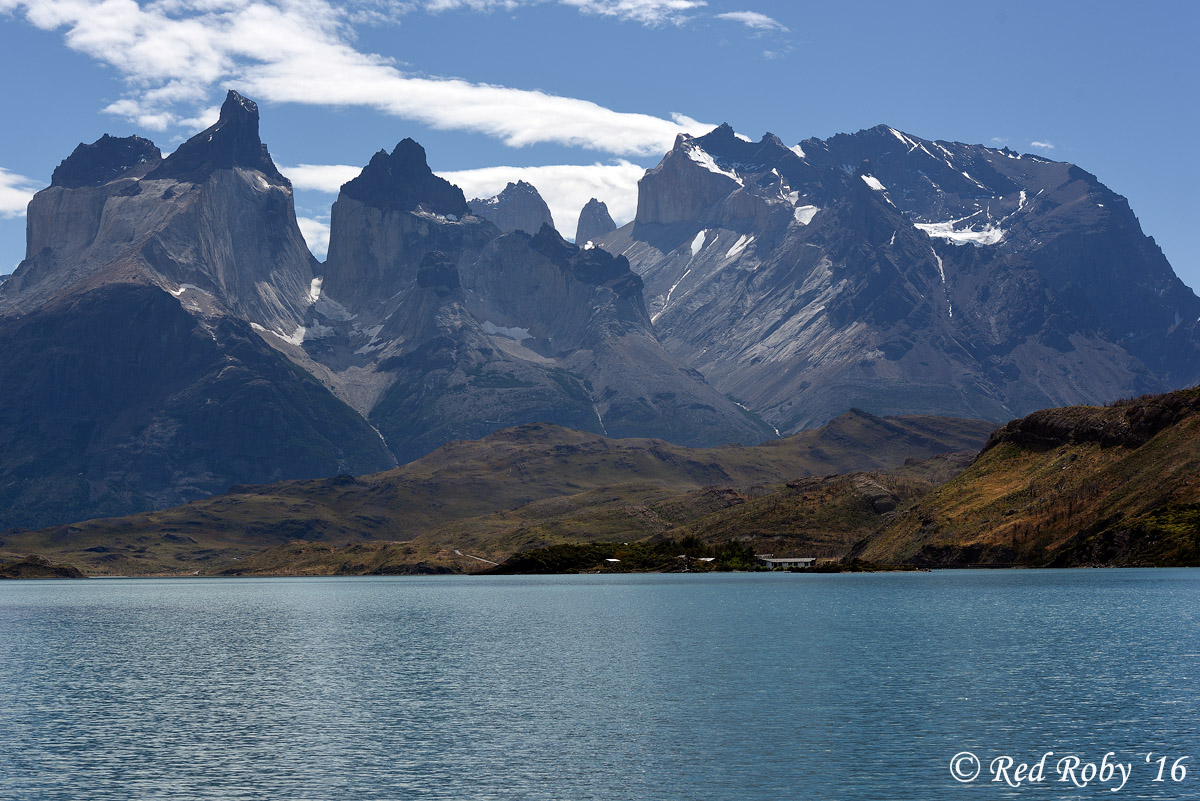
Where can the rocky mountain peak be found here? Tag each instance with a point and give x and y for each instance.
(104, 160)
(232, 142)
(740, 154)
(402, 181)
(594, 222)
(518, 208)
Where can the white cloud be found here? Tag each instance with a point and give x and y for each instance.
(320, 177)
(15, 193)
(174, 54)
(1042, 145)
(647, 12)
(316, 234)
(566, 188)
(755, 20)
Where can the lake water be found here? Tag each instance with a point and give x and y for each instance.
(755, 686)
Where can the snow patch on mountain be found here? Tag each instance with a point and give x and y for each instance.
(739, 246)
(701, 157)
(518, 334)
(873, 182)
(805, 214)
(987, 235)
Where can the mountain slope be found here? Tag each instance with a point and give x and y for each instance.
(476, 494)
(899, 274)
(1116, 485)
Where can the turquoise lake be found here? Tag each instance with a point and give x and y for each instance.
(621, 688)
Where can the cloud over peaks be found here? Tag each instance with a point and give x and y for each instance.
(566, 188)
(174, 54)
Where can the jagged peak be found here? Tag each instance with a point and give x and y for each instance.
(733, 153)
(521, 186)
(519, 207)
(402, 181)
(594, 222)
(233, 141)
(511, 190)
(104, 160)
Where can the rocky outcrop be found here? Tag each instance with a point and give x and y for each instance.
(518, 208)
(106, 159)
(402, 181)
(1127, 423)
(594, 222)
(230, 143)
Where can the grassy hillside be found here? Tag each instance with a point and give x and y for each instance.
(1115, 485)
(520, 488)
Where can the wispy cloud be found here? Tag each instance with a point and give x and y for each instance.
(755, 20)
(566, 188)
(174, 54)
(647, 12)
(1042, 145)
(15, 193)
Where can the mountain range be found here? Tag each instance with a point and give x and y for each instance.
(898, 274)
(170, 335)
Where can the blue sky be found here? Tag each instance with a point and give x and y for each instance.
(579, 96)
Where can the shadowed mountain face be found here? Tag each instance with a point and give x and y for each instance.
(898, 274)
(132, 351)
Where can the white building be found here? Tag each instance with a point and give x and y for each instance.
(784, 564)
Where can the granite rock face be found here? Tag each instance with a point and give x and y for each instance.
(438, 327)
(518, 208)
(214, 224)
(137, 334)
(899, 275)
(594, 222)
